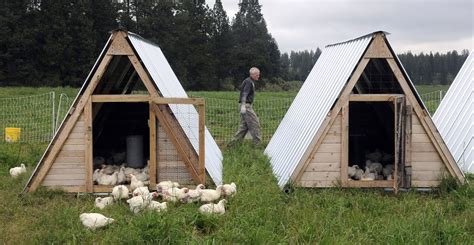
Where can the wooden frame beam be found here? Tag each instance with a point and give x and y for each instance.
(371, 183)
(89, 146)
(153, 159)
(202, 142)
(375, 97)
(344, 144)
(176, 101)
(146, 98)
(120, 98)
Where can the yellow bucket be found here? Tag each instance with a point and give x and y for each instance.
(12, 134)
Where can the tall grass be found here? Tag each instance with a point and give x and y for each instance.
(259, 213)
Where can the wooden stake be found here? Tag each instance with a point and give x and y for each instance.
(345, 144)
(89, 146)
(202, 151)
(153, 149)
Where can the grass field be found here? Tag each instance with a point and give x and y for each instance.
(259, 214)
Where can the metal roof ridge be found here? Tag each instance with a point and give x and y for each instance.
(357, 38)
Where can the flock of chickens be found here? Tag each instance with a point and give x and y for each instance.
(142, 199)
(378, 166)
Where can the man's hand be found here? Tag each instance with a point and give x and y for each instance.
(243, 110)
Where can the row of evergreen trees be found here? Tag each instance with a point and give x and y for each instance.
(433, 68)
(56, 42)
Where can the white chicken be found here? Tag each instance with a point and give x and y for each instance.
(374, 167)
(175, 194)
(351, 170)
(94, 220)
(121, 178)
(120, 192)
(141, 191)
(16, 171)
(138, 203)
(387, 171)
(165, 185)
(107, 169)
(135, 183)
(194, 195)
(368, 175)
(105, 179)
(212, 208)
(101, 202)
(96, 175)
(142, 176)
(210, 195)
(157, 206)
(229, 189)
(375, 156)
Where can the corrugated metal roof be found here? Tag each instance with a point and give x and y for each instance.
(311, 105)
(187, 116)
(454, 117)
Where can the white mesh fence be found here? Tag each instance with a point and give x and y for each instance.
(223, 117)
(33, 115)
(432, 100)
(63, 108)
(38, 116)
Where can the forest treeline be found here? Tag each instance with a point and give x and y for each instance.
(56, 42)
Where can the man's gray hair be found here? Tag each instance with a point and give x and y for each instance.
(253, 70)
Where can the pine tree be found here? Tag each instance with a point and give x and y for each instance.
(104, 15)
(79, 53)
(19, 49)
(221, 43)
(253, 45)
(194, 45)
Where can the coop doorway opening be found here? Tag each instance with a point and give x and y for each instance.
(121, 142)
(371, 140)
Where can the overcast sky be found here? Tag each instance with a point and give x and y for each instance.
(416, 25)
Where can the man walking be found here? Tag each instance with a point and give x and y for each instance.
(248, 119)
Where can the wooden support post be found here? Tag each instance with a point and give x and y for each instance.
(153, 163)
(396, 149)
(402, 143)
(345, 144)
(120, 98)
(202, 140)
(408, 143)
(89, 145)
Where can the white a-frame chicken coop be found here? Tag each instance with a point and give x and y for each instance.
(130, 104)
(358, 104)
(454, 117)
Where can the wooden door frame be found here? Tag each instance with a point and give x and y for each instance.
(198, 174)
(393, 98)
